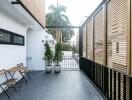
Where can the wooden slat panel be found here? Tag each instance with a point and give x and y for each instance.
(37, 8)
(117, 32)
(84, 41)
(90, 39)
(99, 37)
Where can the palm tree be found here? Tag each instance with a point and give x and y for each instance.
(56, 17)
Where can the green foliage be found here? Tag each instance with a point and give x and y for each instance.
(58, 53)
(56, 17)
(67, 34)
(48, 53)
(75, 49)
(66, 47)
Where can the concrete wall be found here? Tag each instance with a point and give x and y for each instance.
(10, 55)
(35, 49)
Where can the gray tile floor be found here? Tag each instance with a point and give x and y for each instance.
(68, 85)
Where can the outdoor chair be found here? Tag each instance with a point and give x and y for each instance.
(25, 70)
(9, 82)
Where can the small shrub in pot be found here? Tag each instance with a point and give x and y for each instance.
(48, 57)
(58, 57)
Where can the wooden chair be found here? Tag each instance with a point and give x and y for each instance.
(9, 82)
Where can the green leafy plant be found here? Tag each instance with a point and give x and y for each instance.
(58, 53)
(48, 54)
(57, 17)
(66, 47)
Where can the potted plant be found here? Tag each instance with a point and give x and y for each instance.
(48, 58)
(58, 57)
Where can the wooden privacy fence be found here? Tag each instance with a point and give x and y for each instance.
(106, 35)
(105, 41)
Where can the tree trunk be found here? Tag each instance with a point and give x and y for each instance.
(58, 35)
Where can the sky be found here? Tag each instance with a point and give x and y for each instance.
(77, 10)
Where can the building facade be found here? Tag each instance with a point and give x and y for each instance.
(22, 31)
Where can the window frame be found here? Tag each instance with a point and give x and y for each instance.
(12, 35)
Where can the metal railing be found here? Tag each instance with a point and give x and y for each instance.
(114, 85)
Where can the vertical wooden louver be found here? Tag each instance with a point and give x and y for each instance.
(117, 33)
(37, 8)
(84, 41)
(90, 39)
(99, 37)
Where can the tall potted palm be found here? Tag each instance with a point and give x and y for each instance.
(58, 57)
(48, 58)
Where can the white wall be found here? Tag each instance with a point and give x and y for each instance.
(35, 49)
(11, 55)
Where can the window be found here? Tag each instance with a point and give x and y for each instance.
(117, 47)
(5, 37)
(11, 38)
(18, 40)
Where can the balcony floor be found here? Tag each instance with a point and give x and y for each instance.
(68, 85)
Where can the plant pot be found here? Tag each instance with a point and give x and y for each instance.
(57, 68)
(48, 68)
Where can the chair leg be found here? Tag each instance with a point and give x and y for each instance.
(28, 75)
(14, 88)
(7, 95)
(24, 78)
(5, 92)
(21, 82)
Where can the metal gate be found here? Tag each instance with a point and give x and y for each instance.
(70, 61)
(70, 58)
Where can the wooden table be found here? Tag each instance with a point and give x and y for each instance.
(15, 69)
(2, 72)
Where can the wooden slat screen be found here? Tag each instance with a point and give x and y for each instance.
(37, 8)
(84, 41)
(117, 32)
(90, 39)
(99, 37)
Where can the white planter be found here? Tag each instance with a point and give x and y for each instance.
(57, 68)
(48, 68)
